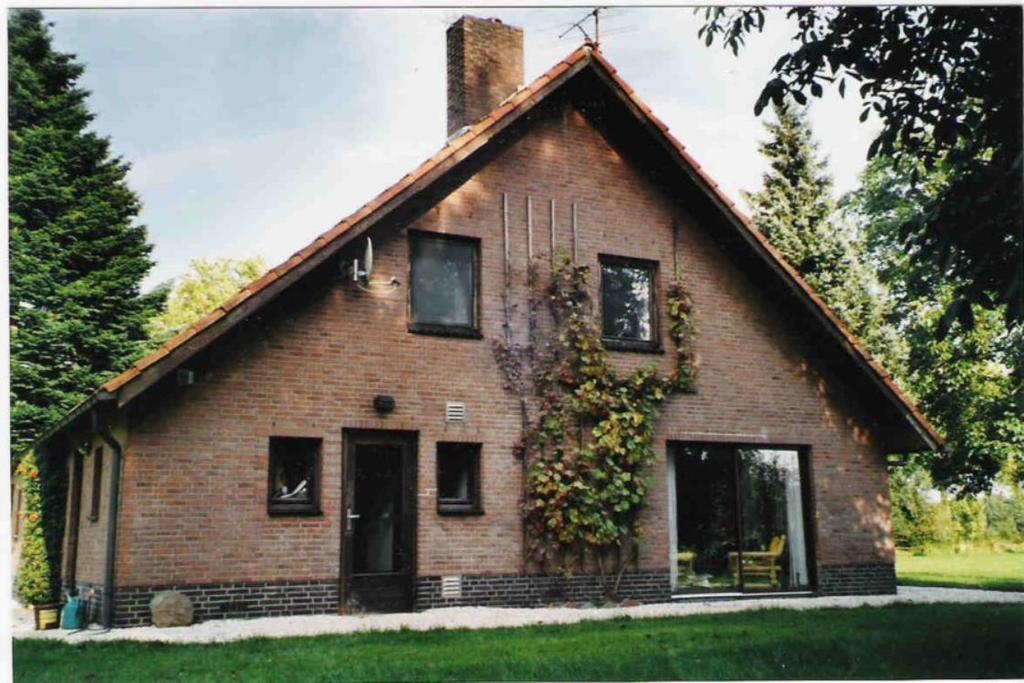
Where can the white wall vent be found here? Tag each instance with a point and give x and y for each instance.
(451, 587)
(454, 412)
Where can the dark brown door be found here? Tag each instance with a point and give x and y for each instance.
(379, 526)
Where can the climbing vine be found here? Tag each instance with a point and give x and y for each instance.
(591, 435)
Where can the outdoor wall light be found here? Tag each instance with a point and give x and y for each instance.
(383, 403)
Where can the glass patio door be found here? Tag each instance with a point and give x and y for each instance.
(774, 553)
(707, 519)
(740, 522)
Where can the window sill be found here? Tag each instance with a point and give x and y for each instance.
(296, 511)
(455, 510)
(446, 331)
(632, 346)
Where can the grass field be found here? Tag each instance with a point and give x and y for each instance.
(976, 568)
(901, 641)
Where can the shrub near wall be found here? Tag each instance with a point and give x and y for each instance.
(33, 585)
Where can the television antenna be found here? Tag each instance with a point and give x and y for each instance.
(596, 14)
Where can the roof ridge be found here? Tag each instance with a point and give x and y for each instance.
(584, 54)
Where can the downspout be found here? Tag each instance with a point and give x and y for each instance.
(113, 502)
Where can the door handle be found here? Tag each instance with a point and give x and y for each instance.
(349, 516)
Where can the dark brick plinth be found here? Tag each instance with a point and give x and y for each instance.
(514, 590)
(856, 579)
(233, 600)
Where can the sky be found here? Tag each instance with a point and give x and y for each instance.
(251, 131)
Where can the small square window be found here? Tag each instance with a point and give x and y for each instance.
(628, 317)
(294, 476)
(444, 280)
(458, 478)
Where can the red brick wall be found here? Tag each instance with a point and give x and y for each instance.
(195, 477)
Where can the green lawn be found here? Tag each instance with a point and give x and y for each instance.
(900, 641)
(976, 568)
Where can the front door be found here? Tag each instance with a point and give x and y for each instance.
(379, 502)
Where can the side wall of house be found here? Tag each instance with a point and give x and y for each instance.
(90, 561)
(195, 477)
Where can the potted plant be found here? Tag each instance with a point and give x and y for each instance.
(33, 585)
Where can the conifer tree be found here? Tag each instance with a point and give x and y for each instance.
(795, 210)
(77, 259)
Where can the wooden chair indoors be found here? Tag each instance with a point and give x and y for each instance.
(761, 562)
(684, 560)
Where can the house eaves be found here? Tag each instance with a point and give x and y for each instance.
(147, 371)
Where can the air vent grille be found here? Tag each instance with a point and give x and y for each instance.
(455, 412)
(451, 587)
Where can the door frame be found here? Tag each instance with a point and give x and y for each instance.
(351, 438)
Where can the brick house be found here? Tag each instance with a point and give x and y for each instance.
(329, 440)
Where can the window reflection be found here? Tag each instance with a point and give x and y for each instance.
(626, 300)
(740, 519)
(443, 281)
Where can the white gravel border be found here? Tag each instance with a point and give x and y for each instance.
(226, 630)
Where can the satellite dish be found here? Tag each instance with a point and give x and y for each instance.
(368, 260)
(362, 276)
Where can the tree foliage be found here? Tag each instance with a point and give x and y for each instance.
(963, 379)
(923, 516)
(33, 584)
(796, 211)
(946, 83)
(77, 260)
(208, 284)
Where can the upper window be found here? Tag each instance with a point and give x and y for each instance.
(458, 478)
(443, 284)
(294, 476)
(628, 317)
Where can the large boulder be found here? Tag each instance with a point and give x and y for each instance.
(171, 608)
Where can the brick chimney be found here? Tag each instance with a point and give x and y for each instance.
(485, 65)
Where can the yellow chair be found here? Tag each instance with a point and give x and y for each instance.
(685, 557)
(761, 562)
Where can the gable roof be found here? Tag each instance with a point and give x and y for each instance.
(145, 372)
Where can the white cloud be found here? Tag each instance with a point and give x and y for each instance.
(242, 193)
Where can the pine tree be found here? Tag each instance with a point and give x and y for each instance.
(77, 260)
(795, 210)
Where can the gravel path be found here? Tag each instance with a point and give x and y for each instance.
(224, 630)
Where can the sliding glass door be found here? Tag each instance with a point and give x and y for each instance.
(740, 519)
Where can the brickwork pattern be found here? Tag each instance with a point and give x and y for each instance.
(856, 579)
(485, 65)
(314, 372)
(232, 600)
(92, 533)
(512, 590)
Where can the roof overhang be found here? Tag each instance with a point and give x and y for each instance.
(145, 373)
